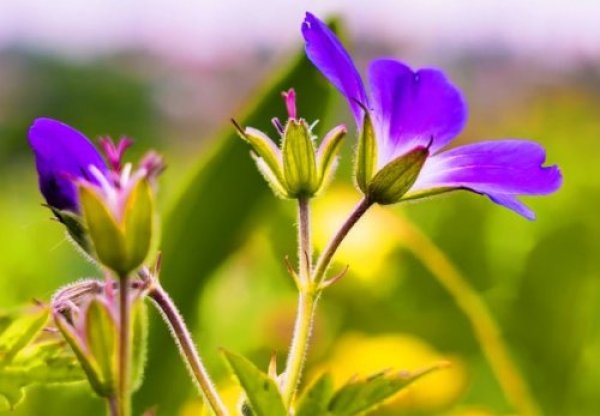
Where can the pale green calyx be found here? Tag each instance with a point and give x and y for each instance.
(298, 169)
(121, 240)
(389, 184)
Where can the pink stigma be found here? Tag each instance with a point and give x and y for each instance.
(289, 97)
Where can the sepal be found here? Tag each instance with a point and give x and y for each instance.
(299, 161)
(389, 185)
(366, 155)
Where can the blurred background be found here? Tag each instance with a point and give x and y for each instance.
(171, 74)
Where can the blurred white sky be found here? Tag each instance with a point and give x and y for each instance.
(201, 29)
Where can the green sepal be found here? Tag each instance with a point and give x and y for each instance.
(102, 334)
(299, 163)
(104, 231)
(138, 224)
(139, 350)
(366, 155)
(262, 392)
(265, 149)
(395, 179)
(315, 400)
(120, 246)
(75, 228)
(327, 154)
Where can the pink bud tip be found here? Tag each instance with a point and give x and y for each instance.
(289, 97)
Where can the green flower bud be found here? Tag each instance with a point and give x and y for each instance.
(298, 169)
(299, 160)
(121, 237)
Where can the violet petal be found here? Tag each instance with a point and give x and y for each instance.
(413, 108)
(499, 169)
(325, 50)
(62, 155)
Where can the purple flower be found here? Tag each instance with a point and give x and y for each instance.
(65, 158)
(63, 155)
(423, 110)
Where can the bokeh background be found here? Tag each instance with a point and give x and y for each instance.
(171, 73)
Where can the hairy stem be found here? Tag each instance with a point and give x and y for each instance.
(123, 389)
(111, 405)
(304, 241)
(307, 303)
(334, 243)
(485, 328)
(310, 291)
(187, 348)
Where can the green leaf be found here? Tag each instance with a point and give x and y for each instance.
(261, 390)
(31, 356)
(366, 154)
(394, 179)
(138, 224)
(299, 163)
(20, 332)
(209, 219)
(315, 400)
(361, 396)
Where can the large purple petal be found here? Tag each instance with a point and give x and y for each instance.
(325, 50)
(500, 169)
(62, 154)
(413, 108)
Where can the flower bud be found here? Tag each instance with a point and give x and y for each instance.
(298, 169)
(86, 313)
(121, 240)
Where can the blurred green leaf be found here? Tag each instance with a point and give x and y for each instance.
(19, 333)
(28, 358)
(357, 396)
(261, 390)
(315, 400)
(210, 219)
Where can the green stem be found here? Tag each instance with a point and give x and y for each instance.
(310, 291)
(187, 348)
(307, 303)
(330, 250)
(484, 326)
(111, 403)
(123, 390)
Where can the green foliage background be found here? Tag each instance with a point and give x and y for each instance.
(225, 236)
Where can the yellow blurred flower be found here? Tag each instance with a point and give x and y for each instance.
(362, 355)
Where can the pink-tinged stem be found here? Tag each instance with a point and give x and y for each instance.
(124, 390)
(187, 348)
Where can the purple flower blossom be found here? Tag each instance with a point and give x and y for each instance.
(423, 109)
(64, 158)
(63, 155)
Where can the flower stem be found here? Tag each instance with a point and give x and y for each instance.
(310, 290)
(484, 326)
(112, 406)
(187, 348)
(307, 299)
(304, 241)
(334, 243)
(123, 390)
